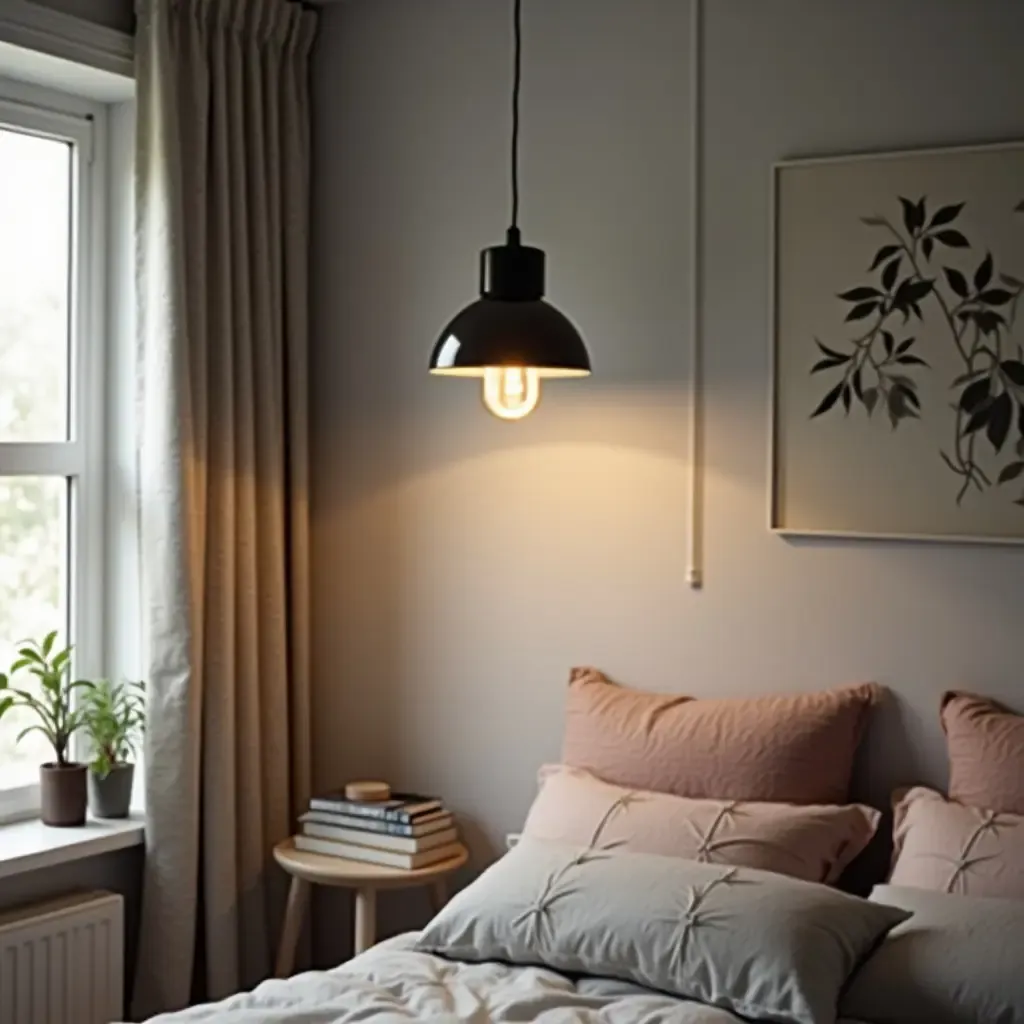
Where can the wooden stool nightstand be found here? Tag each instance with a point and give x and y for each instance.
(365, 879)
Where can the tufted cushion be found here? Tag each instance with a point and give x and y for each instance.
(956, 961)
(808, 842)
(762, 945)
(795, 748)
(986, 752)
(952, 848)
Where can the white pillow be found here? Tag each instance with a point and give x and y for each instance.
(759, 944)
(958, 960)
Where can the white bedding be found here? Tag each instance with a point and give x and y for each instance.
(390, 983)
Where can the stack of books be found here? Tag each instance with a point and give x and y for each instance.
(406, 831)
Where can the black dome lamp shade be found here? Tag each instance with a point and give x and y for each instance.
(510, 336)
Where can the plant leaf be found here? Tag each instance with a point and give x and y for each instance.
(828, 401)
(911, 361)
(957, 281)
(909, 215)
(983, 274)
(953, 238)
(1011, 472)
(890, 273)
(846, 398)
(1014, 370)
(831, 352)
(861, 310)
(999, 421)
(911, 395)
(858, 388)
(975, 394)
(870, 399)
(886, 252)
(889, 341)
(873, 222)
(904, 345)
(978, 419)
(920, 212)
(1019, 208)
(946, 215)
(927, 247)
(917, 290)
(995, 297)
(988, 321)
(826, 364)
(860, 294)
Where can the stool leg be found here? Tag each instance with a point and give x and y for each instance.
(298, 897)
(366, 919)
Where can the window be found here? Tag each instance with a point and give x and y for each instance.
(51, 396)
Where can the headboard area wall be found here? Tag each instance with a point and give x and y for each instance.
(463, 564)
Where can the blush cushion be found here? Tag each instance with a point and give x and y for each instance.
(785, 748)
(814, 843)
(950, 847)
(986, 752)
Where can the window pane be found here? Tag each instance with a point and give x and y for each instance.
(33, 582)
(35, 256)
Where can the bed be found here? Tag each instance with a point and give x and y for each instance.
(392, 983)
(624, 904)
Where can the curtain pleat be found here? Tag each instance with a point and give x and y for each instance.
(222, 265)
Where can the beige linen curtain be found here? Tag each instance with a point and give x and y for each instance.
(222, 194)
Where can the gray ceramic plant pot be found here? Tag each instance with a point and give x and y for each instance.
(63, 794)
(110, 796)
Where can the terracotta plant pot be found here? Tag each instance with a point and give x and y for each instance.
(110, 795)
(63, 794)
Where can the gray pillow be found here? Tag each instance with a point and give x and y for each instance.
(958, 960)
(759, 944)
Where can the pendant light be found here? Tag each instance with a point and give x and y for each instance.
(510, 337)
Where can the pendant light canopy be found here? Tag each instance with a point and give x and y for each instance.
(510, 337)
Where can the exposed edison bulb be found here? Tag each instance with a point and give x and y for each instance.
(511, 392)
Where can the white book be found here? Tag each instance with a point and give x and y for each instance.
(380, 840)
(368, 855)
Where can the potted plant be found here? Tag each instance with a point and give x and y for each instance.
(115, 717)
(52, 700)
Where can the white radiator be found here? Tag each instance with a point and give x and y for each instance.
(63, 962)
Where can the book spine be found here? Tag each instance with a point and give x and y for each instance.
(388, 828)
(363, 811)
(352, 810)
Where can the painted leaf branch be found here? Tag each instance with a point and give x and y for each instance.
(915, 282)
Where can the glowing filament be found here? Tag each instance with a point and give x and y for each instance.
(511, 392)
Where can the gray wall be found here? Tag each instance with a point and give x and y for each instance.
(117, 14)
(463, 564)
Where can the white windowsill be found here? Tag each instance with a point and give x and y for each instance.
(31, 845)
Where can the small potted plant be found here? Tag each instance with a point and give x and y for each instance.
(52, 700)
(115, 717)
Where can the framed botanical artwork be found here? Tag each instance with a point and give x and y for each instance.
(898, 345)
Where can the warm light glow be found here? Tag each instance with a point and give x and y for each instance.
(511, 392)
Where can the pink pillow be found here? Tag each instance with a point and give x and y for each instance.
(986, 752)
(794, 748)
(811, 843)
(949, 847)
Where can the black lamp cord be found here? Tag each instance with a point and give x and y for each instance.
(517, 80)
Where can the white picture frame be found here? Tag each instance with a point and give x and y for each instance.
(877, 457)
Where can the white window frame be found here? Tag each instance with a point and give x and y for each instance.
(40, 111)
